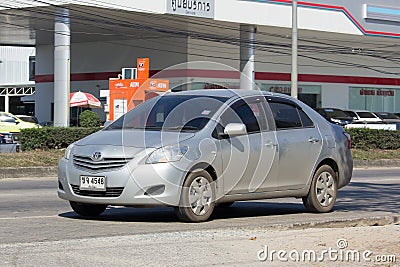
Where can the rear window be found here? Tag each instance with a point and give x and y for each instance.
(288, 116)
(388, 116)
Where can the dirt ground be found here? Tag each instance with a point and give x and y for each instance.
(355, 246)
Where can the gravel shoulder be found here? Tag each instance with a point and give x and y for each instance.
(236, 247)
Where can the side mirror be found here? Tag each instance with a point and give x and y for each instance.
(234, 129)
(107, 123)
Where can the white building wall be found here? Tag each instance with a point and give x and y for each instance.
(335, 95)
(14, 65)
(44, 94)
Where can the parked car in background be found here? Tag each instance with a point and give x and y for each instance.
(389, 118)
(363, 116)
(196, 149)
(8, 138)
(10, 123)
(27, 118)
(335, 115)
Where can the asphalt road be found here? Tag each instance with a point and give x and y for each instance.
(30, 211)
(38, 229)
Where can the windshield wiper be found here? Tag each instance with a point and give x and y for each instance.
(181, 128)
(147, 127)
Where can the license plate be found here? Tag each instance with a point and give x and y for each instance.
(92, 183)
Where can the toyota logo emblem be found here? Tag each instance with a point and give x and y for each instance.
(96, 156)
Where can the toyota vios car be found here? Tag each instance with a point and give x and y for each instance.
(198, 149)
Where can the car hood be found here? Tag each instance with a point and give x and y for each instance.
(134, 138)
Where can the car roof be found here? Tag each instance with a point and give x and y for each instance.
(383, 112)
(6, 113)
(228, 93)
(24, 116)
(329, 108)
(358, 110)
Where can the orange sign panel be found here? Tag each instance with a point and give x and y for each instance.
(143, 68)
(127, 94)
(150, 87)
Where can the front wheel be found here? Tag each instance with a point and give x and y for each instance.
(197, 197)
(323, 191)
(87, 210)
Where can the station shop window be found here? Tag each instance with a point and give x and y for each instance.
(374, 99)
(32, 64)
(309, 94)
(199, 85)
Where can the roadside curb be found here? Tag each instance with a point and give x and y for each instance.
(377, 163)
(32, 172)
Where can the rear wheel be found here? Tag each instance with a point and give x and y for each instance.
(323, 191)
(87, 210)
(197, 197)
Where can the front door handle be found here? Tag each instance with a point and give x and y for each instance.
(313, 140)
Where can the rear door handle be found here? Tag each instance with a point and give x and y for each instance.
(270, 144)
(313, 140)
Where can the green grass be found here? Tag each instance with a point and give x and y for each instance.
(31, 158)
(374, 154)
(51, 157)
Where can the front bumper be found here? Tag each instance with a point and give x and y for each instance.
(141, 184)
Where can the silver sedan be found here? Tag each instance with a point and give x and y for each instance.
(198, 149)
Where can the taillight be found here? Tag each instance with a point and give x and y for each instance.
(348, 137)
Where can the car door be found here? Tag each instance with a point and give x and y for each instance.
(8, 124)
(246, 159)
(299, 140)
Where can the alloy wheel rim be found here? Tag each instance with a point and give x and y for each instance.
(325, 189)
(200, 196)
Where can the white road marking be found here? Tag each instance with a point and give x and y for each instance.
(28, 217)
(356, 179)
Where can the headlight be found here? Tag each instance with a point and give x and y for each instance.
(167, 154)
(68, 151)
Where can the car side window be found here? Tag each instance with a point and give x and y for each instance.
(289, 116)
(305, 120)
(5, 118)
(250, 113)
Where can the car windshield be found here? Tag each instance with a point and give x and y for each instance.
(171, 113)
(350, 113)
(388, 116)
(332, 113)
(29, 119)
(367, 115)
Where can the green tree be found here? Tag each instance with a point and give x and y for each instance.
(89, 119)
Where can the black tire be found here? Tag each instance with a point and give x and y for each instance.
(185, 210)
(226, 204)
(87, 210)
(324, 186)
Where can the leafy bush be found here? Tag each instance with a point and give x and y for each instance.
(374, 139)
(89, 119)
(52, 137)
